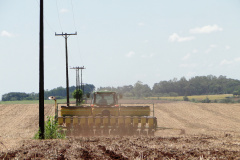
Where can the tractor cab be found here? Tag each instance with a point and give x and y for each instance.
(105, 98)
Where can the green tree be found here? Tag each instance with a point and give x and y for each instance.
(141, 90)
(78, 95)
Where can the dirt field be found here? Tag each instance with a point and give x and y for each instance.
(196, 131)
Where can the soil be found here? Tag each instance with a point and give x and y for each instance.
(186, 131)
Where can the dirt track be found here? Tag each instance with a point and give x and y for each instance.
(211, 130)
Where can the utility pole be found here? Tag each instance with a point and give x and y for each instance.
(78, 100)
(41, 74)
(67, 81)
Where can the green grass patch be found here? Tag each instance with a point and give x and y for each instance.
(196, 97)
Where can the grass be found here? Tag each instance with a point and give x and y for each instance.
(35, 101)
(196, 97)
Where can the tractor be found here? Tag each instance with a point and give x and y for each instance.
(105, 116)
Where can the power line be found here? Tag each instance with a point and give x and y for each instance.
(76, 30)
(74, 22)
(58, 16)
(45, 19)
(73, 16)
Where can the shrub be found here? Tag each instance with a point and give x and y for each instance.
(193, 100)
(52, 131)
(185, 98)
(227, 100)
(206, 100)
(235, 93)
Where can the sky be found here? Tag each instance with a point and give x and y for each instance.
(119, 42)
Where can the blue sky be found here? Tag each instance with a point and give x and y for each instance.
(119, 41)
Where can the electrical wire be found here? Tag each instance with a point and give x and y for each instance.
(51, 28)
(81, 59)
(45, 19)
(58, 16)
(73, 16)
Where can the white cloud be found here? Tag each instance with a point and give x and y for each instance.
(141, 24)
(206, 29)
(146, 41)
(228, 62)
(130, 54)
(227, 47)
(147, 56)
(186, 56)
(210, 48)
(213, 46)
(6, 34)
(63, 10)
(192, 65)
(175, 37)
(237, 59)
(195, 51)
(225, 62)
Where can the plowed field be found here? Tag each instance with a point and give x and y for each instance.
(188, 131)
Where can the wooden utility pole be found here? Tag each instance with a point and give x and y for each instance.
(41, 74)
(82, 88)
(67, 81)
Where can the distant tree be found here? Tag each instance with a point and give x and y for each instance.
(78, 95)
(141, 90)
(173, 94)
(236, 93)
(185, 98)
(126, 90)
(14, 96)
(58, 92)
(199, 85)
(88, 88)
(128, 94)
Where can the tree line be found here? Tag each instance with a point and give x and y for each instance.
(198, 85)
(59, 93)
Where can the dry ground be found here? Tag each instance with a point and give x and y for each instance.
(210, 131)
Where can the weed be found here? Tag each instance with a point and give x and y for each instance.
(51, 130)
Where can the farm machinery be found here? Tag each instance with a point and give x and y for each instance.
(104, 116)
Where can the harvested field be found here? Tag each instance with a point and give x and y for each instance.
(195, 131)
